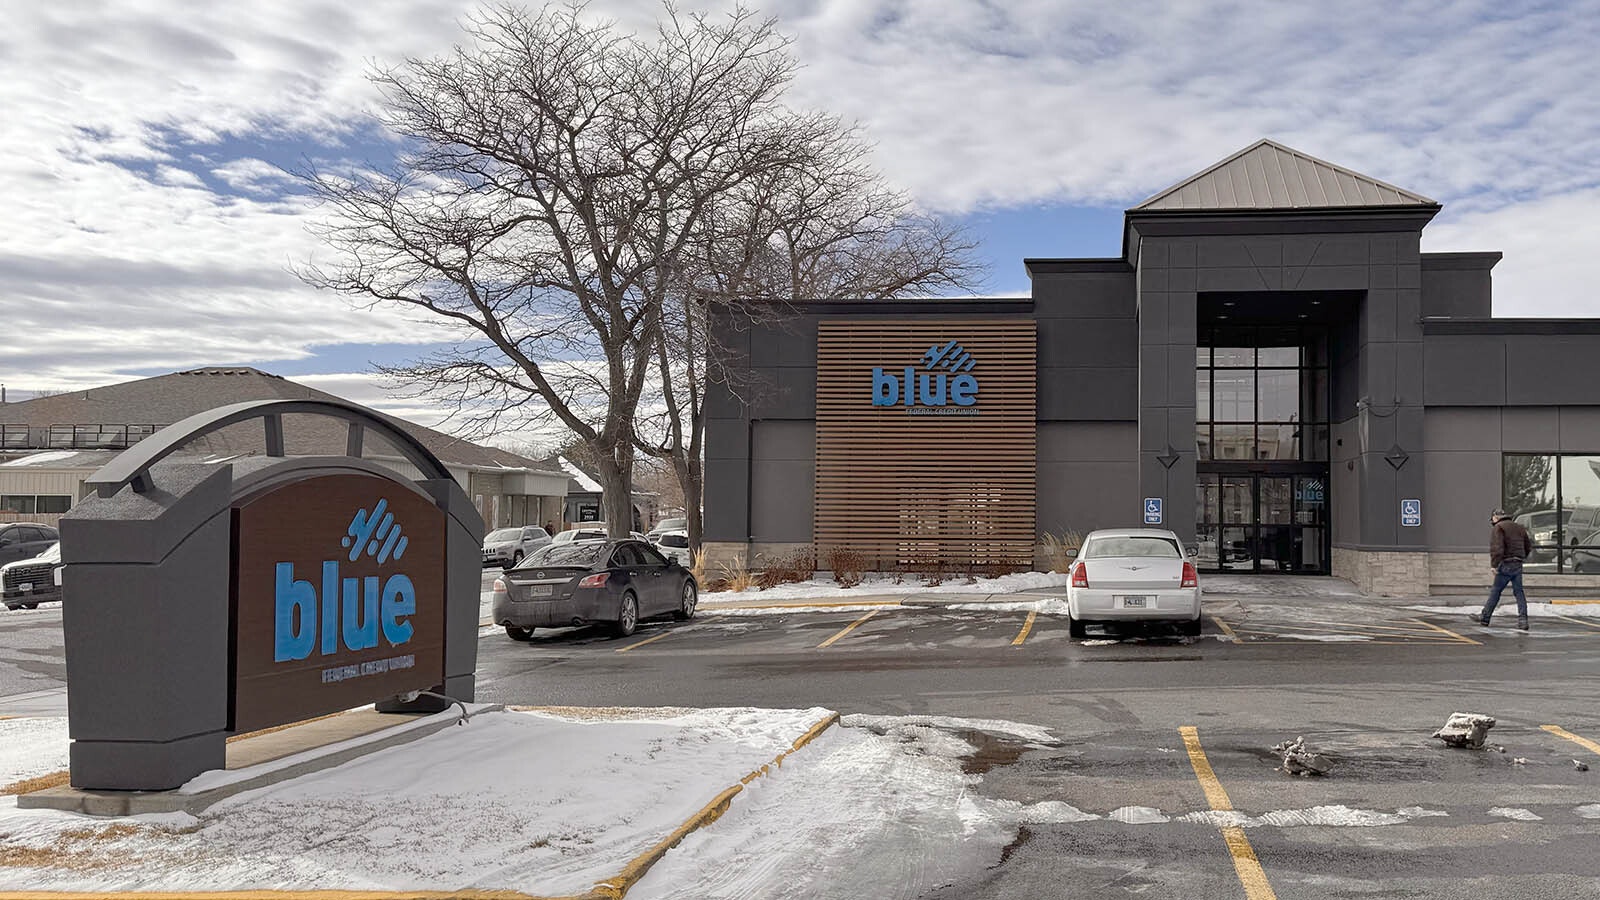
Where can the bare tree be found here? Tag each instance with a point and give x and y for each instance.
(824, 226)
(554, 177)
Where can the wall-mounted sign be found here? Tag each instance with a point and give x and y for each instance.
(1152, 510)
(339, 586)
(1410, 513)
(946, 386)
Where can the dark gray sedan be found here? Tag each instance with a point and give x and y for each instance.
(615, 582)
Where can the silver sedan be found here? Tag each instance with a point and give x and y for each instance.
(1134, 574)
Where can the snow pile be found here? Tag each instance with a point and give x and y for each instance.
(32, 747)
(1465, 730)
(885, 584)
(539, 803)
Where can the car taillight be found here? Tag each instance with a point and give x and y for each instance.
(1080, 575)
(499, 586)
(594, 581)
(1190, 577)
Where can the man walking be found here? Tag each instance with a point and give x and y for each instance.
(1509, 545)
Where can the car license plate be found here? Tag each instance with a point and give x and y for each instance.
(541, 590)
(25, 587)
(1134, 601)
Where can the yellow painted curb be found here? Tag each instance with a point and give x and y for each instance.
(615, 888)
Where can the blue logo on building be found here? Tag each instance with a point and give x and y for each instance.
(946, 385)
(349, 611)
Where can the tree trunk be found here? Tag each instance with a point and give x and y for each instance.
(691, 481)
(616, 480)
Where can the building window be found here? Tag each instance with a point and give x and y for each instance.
(35, 503)
(1261, 394)
(1557, 498)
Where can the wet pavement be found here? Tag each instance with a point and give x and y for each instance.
(1365, 682)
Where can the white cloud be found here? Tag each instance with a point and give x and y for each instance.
(146, 227)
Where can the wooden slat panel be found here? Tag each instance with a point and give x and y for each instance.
(949, 486)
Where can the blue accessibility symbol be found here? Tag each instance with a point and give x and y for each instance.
(1152, 510)
(1410, 513)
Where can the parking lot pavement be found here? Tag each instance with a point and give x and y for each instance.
(1200, 812)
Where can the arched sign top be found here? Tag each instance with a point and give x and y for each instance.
(132, 466)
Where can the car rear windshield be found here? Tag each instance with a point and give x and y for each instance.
(567, 555)
(503, 534)
(674, 540)
(1151, 546)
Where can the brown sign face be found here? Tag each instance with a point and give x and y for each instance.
(339, 598)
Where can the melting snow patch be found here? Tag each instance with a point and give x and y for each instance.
(1334, 816)
(1417, 812)
(1099, 642)
(1047, 812)
(1326, 816)
(1588, 811)
(1535, 610)
(1511, 812)
(882, 724)
(1138, 815)
(1055, 606)
(1329, 638)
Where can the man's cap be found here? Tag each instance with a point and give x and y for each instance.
(1498, 514)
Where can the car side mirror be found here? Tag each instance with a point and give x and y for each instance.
(1072, 553)
(672, 562)
(1191, 551)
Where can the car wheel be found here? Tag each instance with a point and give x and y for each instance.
(1076, 628)
(627, 616)
(519, 634)
(1192, 629)
(691, 597)
(516, 558)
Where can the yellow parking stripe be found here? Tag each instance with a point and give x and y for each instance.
(1577, 602)
(846, 630)
(1223, 626)
(1026, 627)
(1245, 863)
(1460, 637)
(1582, 622)
(649, 640)
(1583, 742)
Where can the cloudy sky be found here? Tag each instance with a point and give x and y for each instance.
(149, 227)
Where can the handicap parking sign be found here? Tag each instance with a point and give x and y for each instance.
(1152, 510)
(1410, 513)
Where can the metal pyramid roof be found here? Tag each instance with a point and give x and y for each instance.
(1269, 176)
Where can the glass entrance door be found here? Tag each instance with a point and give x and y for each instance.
(1262, 522)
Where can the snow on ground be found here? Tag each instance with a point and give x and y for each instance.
(1516, 814)
(1508, 604)
(540, 803)
(885, 584)
(1055, 606)
(32, 747)
(857, 813)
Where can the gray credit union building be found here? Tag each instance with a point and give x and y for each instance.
(1271, 368)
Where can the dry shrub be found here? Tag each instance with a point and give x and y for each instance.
(1056, 547)
(791, 568)
(737, 577)
(849, 567)
(697, 568)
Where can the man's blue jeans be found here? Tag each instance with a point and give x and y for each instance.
(1503, 576)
